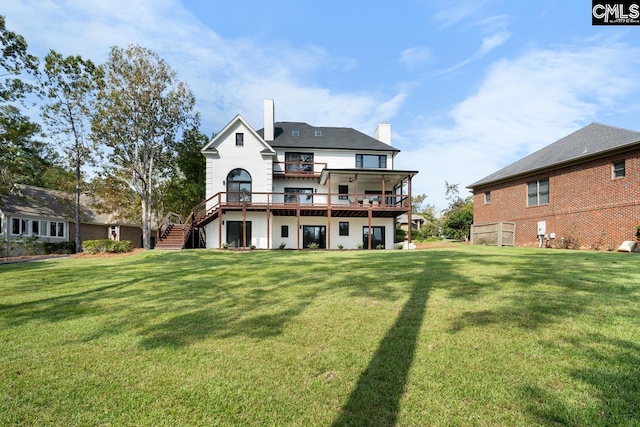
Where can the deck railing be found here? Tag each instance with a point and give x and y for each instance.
(286, 200)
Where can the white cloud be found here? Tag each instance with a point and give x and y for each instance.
(451, 13)
(227, 76)
(488, 44)
(415, 56)
(521, 106)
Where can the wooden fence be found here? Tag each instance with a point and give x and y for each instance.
(494, 234)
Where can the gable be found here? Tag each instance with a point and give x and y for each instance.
(227, 137)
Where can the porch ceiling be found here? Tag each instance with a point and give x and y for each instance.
(391, 177)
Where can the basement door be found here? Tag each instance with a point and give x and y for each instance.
(234, 234)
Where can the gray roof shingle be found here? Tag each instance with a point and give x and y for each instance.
(332, 138)
(47, 203)
(592, 140)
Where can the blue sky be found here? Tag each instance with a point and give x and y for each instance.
(468, 86)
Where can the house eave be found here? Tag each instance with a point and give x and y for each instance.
(555, 166)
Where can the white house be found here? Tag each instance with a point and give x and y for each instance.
(294, 184)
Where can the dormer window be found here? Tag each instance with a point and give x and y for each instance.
(295, 133)
(318, 134)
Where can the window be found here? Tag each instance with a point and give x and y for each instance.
(618, 169)
(343, 228)
(35, 228)
(371, 161)
(239, 138)
(317, 134)
(487, 197)
(295, 133)
(15, 226)
(238, 186)
(284, 231)
(298, 162)
(538, 192)
(20, 226)
(343, 190)
(301, 195)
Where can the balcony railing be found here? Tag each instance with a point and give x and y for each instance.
(294, 200)
(298, 169)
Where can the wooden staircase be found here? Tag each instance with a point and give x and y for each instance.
(173, 237)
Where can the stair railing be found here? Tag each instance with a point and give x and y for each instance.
(167, 223)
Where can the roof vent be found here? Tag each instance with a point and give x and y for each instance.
(295, 133)
(318, 134)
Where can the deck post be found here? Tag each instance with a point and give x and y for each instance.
(370, 225)
(220, 216)
(329, 212)
(409, 212)
(244, 225)
(268, 227)
(298, 226)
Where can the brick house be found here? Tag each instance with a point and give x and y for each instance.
(30, 211)
(581, 191)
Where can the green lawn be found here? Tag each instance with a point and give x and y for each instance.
(447, 336)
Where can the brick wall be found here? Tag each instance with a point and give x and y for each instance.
(131, 233)
(88, 232)
(585, 204)
(96, 232)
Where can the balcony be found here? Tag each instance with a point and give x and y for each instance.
(303, 204)
(298, 169)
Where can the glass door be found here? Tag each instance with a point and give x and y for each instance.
(234, 234)
(314, 234)
(377, 237)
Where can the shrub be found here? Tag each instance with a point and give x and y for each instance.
(401, 235)
(313, 246)
(398, 245)
(341, 246)
(59, 247)
(380, 247)
(282, 246)
(106, 245)
(32, 245)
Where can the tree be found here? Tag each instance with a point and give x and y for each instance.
(187, 186)
(14, 60)
(416, 203)
(140, 109)
(458, 218)
(71, 84)
(23, 158)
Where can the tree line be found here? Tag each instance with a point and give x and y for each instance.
(453, 222)
(124, 131)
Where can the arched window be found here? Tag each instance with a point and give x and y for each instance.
(238, 186)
